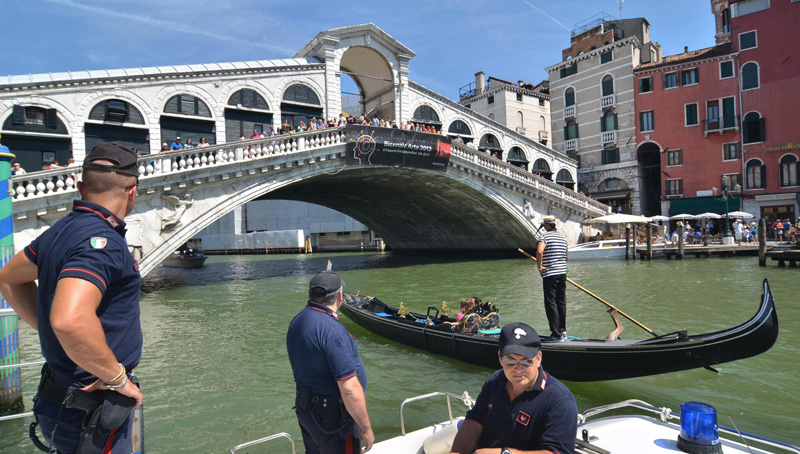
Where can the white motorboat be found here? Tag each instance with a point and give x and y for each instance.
(652, 430)
(603, 249)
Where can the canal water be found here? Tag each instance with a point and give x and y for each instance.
(215, 371)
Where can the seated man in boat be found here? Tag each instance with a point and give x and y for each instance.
(479, 315)
(521, 408)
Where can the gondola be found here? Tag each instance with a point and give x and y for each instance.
(575, 360)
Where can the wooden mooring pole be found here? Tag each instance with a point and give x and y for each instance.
(680, 239)
(762, 243)
(649, 255)
(627, 241)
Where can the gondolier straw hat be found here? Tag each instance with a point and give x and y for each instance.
(549, 219)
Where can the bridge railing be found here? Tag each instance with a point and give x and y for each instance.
(523, 176)
(42, 184)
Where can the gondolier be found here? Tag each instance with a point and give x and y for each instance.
(330, 405)
(86, 310)
(551, 258)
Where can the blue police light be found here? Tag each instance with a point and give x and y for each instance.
(699, 432)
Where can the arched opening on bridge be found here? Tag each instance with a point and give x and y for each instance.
(246, 111)
(180, 119)
(564, 178)
(542, 168)
(352, 100)
(649, 156)
(36, 136)
(460, 128)
(301, 104)
(117, 120)
(516, 157)
(427, 116)
(614, 193)
(373, 76)
(491, 146)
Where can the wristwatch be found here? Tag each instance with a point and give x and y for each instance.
(505, 451)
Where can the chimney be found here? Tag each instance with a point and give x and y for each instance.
(519, 83)
(480, 82)
(685, 49)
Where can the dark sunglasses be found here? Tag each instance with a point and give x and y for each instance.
(513, 362)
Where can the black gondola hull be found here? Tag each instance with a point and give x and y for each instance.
(583, 360)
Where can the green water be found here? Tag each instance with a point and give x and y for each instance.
(215, 371)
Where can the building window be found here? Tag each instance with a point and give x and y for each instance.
(608, 122)
(734, 180)
(748, 40)
(675, 187)
(646, 121)
(520, 120)
(569, 97)
(569, 70)
(750, 76)
(645, 85)
(541, 102)
(674, 157)
(571, 131)
(610, 155)
(608, 86)
(116, 110)
(756, 174)
(691, 114)
(519, 97)
(725, 69)
(730, 151)
(753, 128)
(729, 113)
(743, 7)
(690, 76)
(712, 114)
(670, 80)
(605, 57)
(726, 20)
(490, 99)
(789, 170)
(34, 115)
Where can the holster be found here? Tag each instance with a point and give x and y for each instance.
(329, 413)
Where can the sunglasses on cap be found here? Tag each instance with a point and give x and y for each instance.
(513, 362)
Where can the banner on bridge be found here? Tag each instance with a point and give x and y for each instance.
(368, 145)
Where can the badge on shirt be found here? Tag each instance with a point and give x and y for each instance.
(523, 418)
(98, 242)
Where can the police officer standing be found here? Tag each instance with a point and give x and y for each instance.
(86, 309)
(552, 254)
(331, 381)
(521, 408)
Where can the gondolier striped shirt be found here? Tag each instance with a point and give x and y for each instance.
(554, 257)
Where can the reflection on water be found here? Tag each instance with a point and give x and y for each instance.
(215, 372)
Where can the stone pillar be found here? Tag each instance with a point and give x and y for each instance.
(10, 386)
(401, 95)
(333, 86)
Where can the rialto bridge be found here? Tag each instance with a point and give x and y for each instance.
(480, 203)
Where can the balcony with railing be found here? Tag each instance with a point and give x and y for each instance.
(569, 111)
(520, 130)
(543, 135)
(608, 101)
(571, 145)
(721, 125)
(609, 137)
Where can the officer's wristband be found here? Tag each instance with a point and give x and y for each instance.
(119, 379)
(120, 385)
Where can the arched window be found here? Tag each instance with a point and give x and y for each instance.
(756, 174)
(612, 184)
(249, 99)
(459, 127)
(246, 111)
(426, 115)
(301, 94)
(187, 105)
(116, 111)
(753, 128)
(564, 178)
(520, 119)
(608, 85)
(750, 76)
(789, 170)
(492, 116)
(300, 105)
(542, 168)
(491, 146)
(543, 123)
(569, 97)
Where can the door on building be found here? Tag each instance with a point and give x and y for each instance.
(129, 137)
(649, 179)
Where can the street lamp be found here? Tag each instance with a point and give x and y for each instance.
(724, 196)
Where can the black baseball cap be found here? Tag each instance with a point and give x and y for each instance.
(519, 338)
(325, 282)
(124, 159)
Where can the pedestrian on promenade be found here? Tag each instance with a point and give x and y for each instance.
(521, 408)
(330, 405)
(551, 259)
(86, 310)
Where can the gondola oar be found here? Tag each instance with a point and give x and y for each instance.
(609, 305)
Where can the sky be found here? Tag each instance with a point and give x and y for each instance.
(453, 39)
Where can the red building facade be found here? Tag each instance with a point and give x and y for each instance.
(724, 116)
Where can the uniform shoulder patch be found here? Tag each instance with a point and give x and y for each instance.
(99, 242)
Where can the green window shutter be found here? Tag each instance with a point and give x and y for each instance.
(566, 132)
(763, 176)
(728, 113)
(616, 125)
(51, 120)
(640, 85)
(19, 115)
(762, 129)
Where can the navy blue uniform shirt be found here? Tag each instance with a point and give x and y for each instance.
(322, 352)
(543, 417)
(89, 243)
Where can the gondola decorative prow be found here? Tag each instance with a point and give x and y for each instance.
(446, 310)
(614, 335)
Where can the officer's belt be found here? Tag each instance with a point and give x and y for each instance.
(69, 398)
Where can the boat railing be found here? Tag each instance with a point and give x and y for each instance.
(667, 414)
(463, 397)
(264, 440)
(17, 366)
